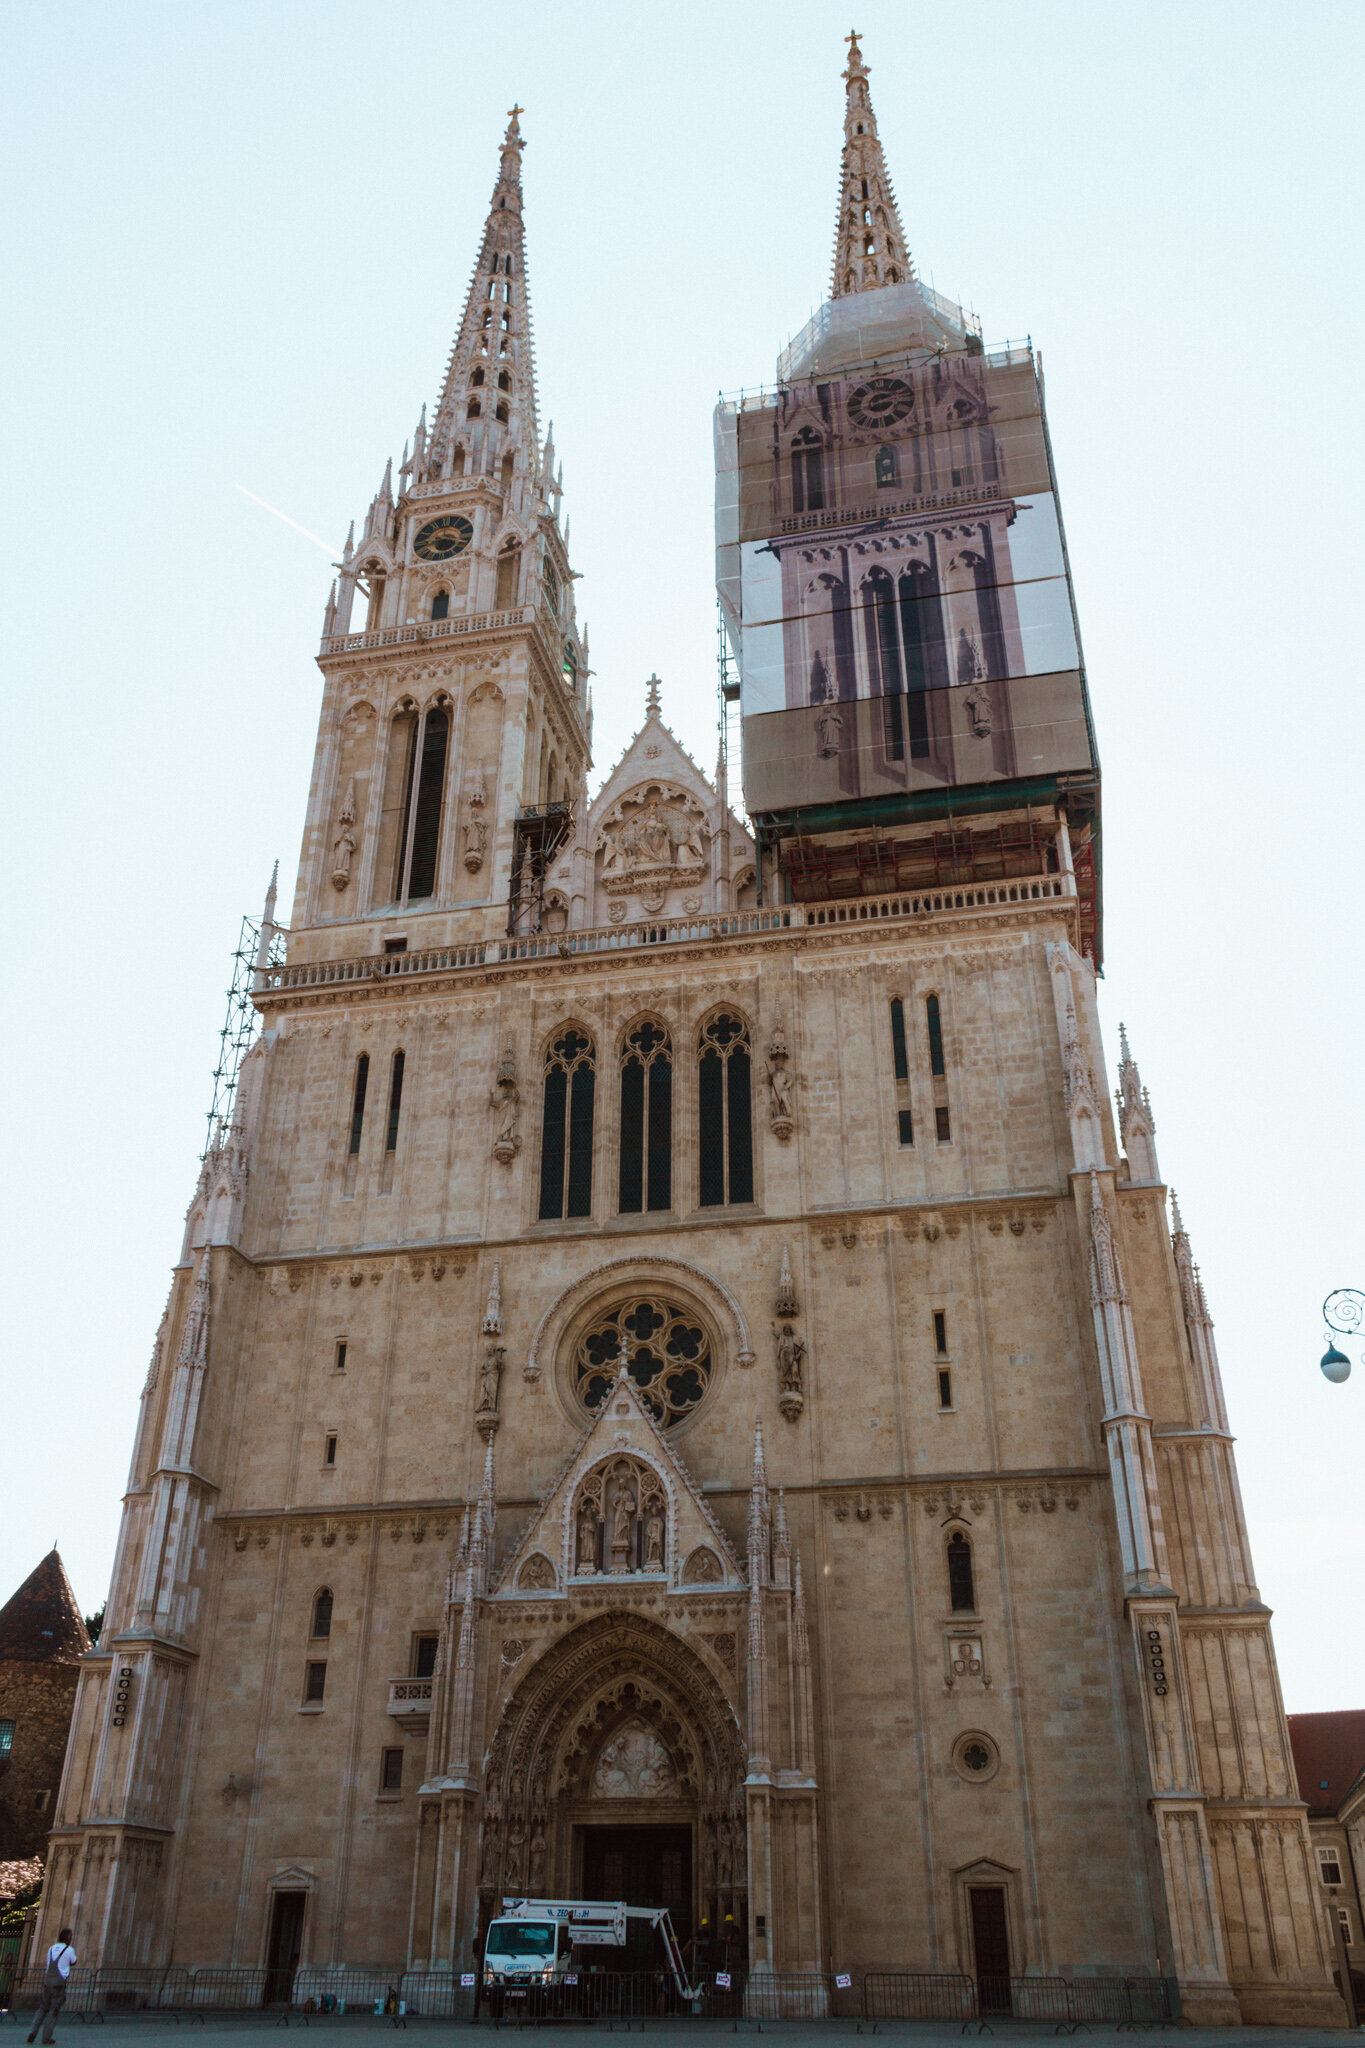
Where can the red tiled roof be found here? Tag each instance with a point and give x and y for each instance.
(41, 1623)
(1329, 1755)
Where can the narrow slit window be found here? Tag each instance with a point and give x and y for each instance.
(329, 1451)
(322, 1610)
(725, 1113)
(941, 1332)
(961, 1584)
(934, 1020)
(339, 1363)
(906, 1126)
(426, 824)
(567, 1127)
(440, 605)
(362, 1082)
(391, 1771)
(945, 1388)
(899, 1056)
(395, 1103)
(943, 1127)
(315, 1684)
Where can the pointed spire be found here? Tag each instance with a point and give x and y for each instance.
(786, 1303)
(1191, 1288)
(494, 340)
(1106, 1275)
(194, 1339)
(349, 548)
(1137, 1124)
(266, 937)
(869, 242)
(492, 1325)
(758, 1512)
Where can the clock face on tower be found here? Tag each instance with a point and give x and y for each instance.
(441, 538)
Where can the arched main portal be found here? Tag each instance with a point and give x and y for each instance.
(618, 1761)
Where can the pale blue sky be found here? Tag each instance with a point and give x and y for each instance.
(238, 242)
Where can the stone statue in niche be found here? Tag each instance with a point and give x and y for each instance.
(654, 1536)
(829, 724)
(622, 1527)
(490, 1378)
(504, 1099)
(703, 1567)
(587, 1538)
(779, 1088)
(536, 1575)
(634, 1765)
(980, 710)
(475, 844)
(791, 1397)
(343, 846)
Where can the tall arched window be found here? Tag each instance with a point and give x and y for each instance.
(362, 1082)
(509, 575)
(504, 380)
(646, 1176)
(961, 1587)
(566, 1134)
(808, 472)
(427, 738)
(477, 377)
(473, 410)
(440, 605)
(322, 1613)
(934, 1023)
(724, 1113)
(509, 463)
(884, 656)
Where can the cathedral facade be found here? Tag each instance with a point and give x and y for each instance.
(680, 1382)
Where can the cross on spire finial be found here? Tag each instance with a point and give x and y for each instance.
(512, 112)
(652, 688)
(869, 242)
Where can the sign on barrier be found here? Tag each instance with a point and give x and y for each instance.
(466, 1980)
(722, 1980)
(843, 1983)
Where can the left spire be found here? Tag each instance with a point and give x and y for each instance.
(487, 409)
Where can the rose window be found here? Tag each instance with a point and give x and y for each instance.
(667, 1353)
(881, 403)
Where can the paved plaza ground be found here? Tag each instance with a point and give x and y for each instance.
(252, 2032)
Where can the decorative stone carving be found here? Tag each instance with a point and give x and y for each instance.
(829, 723)
(486, 1416)
(621, 1520)
(703, 1567)
(634, 1765)
(513, 1649)
(504, 1101)
(786, 1303)
(780, 1120)
(966, 1663)
(951, 1501)
(980, 710)
(652, 839)
(537, 1575)
(344, 845)
(791, 1397)
(475, 843)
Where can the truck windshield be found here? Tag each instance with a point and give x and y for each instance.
(520, 1938)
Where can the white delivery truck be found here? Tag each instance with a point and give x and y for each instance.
(530, 1946)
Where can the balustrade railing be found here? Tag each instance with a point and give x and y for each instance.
(669, 931)
(428, 629)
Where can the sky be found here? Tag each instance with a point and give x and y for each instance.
(237, 246)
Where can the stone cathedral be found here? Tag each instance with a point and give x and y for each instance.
(681, 1381)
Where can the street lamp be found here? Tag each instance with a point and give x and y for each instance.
(1343, 1312)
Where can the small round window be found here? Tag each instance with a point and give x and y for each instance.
(667, 1353)
(975, 1758)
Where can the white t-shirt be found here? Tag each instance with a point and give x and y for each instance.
(63, 1955)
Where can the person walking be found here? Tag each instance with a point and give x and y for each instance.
(60, 1957)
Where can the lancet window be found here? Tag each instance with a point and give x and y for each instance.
(808, 471)
(322, 1613)
(667, 1354)
(566, 1134)
(646, 1166)
(724, 1112)
(440, 605)
(621, 1520)
(509, 573)
(362, 1082)
(961, 1583)
(421, 742)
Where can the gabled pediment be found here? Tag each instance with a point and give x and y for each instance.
(623, 1510)
(654, 755)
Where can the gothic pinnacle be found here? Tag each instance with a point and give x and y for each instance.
(869, 242)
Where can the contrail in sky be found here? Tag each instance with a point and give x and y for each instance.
(333, 552)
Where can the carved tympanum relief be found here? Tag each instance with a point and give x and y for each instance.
(634, 1765)
(650, 840)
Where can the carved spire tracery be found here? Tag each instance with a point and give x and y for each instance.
(1137, 1124)
(869, 242)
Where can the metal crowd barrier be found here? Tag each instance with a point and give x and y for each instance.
(603, 1995)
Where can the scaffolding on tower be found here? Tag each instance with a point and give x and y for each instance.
(260, 945)
(538, 832)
